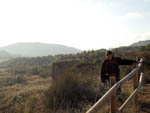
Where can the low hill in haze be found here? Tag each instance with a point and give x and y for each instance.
(141, 43)
(4, 54)
(38, 49)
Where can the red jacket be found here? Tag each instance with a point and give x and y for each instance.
(111, 67)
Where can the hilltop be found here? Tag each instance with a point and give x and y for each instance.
(141, 43)
(38, 49)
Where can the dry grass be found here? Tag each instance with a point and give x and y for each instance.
(19, 93)
(25, 95)
(144, 99)
(71, 93)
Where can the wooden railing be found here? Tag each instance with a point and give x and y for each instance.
(112, 92)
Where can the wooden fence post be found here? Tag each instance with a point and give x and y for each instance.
(114, 98)
(136, 82)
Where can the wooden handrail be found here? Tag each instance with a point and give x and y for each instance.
(110, 92)
(132, 95)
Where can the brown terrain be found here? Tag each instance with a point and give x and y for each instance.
(23, 93)
(144, 99)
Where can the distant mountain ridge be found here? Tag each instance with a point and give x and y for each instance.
(141, 43)
(44, 49)
(38, 49)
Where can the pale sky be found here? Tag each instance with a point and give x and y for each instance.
(83, 24)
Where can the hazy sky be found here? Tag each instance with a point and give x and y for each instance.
(84, 24)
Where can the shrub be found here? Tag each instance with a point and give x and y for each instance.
(17, 70)
(69, 91)
(45, 74)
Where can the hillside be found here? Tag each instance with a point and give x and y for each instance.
(32, 85)
(27, 84)
(38, 49)
(20, 93)
(27, 61)
(4, 54)
(141, 43)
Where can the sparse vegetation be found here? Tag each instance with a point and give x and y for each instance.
(72, 91)
(27, 87)
(21, 93)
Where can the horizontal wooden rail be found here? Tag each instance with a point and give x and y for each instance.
(132, 95)
(110, 92)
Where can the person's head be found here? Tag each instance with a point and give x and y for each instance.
(109, 55)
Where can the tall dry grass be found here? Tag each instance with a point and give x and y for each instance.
(72, 92)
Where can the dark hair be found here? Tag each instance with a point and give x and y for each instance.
(108, 52)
